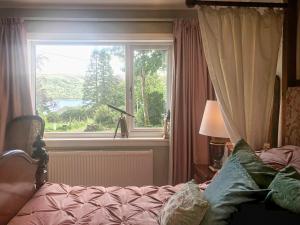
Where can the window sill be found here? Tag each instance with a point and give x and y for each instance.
(56, 143)
(136, 133)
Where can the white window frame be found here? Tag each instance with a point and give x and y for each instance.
(130, 46)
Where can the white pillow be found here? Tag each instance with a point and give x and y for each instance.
(186, 207)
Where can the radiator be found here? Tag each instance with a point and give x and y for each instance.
(102, 168)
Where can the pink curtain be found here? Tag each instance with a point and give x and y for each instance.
(191, 89)
(15, 99)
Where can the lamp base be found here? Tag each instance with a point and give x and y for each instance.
(217, 146)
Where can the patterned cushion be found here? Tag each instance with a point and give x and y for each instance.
(286, 189)
(186, 207)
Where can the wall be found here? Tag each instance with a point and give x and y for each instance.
(98, 20)
(99, 27)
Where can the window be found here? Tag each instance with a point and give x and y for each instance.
(75, 82)
(150, 86)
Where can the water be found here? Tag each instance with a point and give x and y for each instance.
(61, 103)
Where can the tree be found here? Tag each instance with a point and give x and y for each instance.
(156, 90)
(146, 63)
(157, 109)
(44, 103)
(100, 85)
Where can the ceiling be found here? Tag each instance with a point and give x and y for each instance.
(95, 3)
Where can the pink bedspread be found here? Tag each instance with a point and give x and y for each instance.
(59, 204)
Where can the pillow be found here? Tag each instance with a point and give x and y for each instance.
(285, 189)
(231, 187)
(279, 158)
(261, 173)
(186, 207)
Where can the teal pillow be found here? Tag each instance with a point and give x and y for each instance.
(186, 207)
(285, 189)
(260, 173)
(231, 187)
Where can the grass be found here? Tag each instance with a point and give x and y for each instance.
(77, 126)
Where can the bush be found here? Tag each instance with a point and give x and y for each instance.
(105, 116)
(64, 127)
(53, 117)
(90, 111)
(93, 128)
(72, 114)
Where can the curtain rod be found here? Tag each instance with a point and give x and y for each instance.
(78, 19)
(192, 3)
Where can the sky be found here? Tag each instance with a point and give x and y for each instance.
(71, 59)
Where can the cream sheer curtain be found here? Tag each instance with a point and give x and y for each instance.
(15, 97)
(241, 47)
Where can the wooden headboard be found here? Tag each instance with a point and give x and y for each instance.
(292, 117)
(20, 177)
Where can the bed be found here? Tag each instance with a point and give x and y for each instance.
(26, 198)
(63, 204)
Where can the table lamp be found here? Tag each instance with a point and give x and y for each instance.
(213, 125)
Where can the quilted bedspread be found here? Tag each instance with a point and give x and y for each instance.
(60, 204)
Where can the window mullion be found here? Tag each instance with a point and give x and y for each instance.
(129, 85)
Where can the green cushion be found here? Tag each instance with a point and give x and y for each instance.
(261, 173)
(231, 187)
(285, 189)
(185, 207)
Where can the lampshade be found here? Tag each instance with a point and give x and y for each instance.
(212, 121)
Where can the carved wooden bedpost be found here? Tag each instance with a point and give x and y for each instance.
(40, 153)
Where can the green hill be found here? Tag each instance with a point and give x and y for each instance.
(62, 86)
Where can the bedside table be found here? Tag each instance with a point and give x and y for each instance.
(202, 173)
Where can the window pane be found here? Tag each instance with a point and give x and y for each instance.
(75, 82)
(150, 86)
